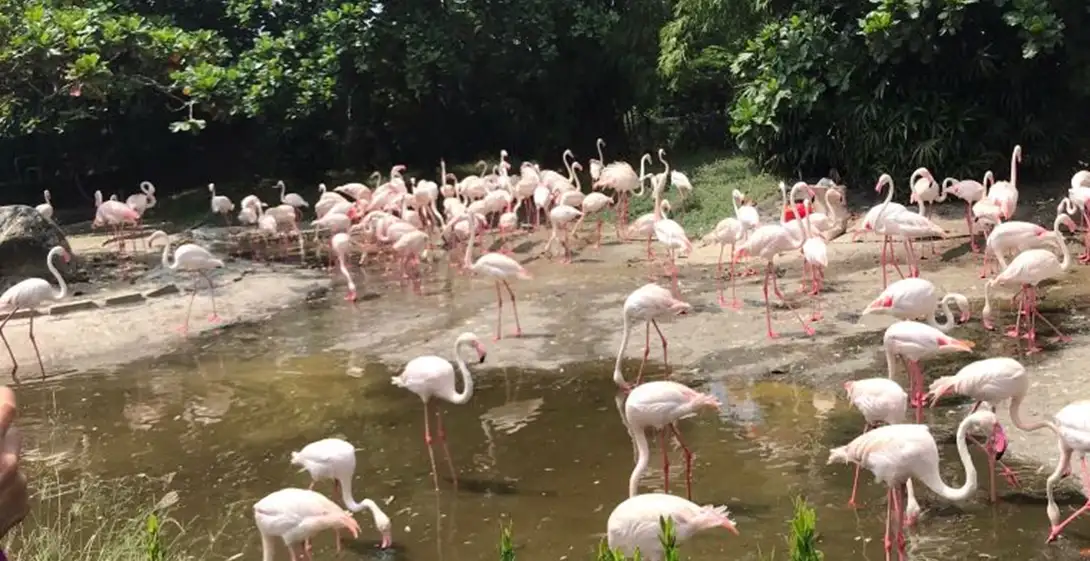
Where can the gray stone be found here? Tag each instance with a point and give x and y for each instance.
(73, 306)
(25, 239)
(129, 298)
(162, 291)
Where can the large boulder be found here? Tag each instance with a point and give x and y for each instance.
(25, 239)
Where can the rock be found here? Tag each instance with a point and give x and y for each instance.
(25, 239)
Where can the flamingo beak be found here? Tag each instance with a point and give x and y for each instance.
(1000, 441)
(730, 527)
(481, 353)
(387, 541)
(957, 344)
(964, 317)
(66, 257)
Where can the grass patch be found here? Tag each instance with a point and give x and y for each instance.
(714, 175)
(90, 519)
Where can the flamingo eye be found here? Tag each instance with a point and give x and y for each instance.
(886, 302)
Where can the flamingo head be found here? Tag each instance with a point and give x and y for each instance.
(1000, 441)
(945, 343)
(1067, 221)
(65, 256)
(471, 340)
(1018, 153)
(884, 180)
(881, 303)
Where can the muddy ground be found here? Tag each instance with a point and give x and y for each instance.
(572, 313)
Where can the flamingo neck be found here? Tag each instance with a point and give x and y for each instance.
(618, 375)
(1016, 417)
(345, 273)
(930, 474)
(643, 453)
(459, 398)
(166, 256)
(63, 287)
(948, 316)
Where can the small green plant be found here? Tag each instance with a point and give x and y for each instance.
(802, 543)
(153, 545)
(507, 547)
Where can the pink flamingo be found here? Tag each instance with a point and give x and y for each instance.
(294, 515)
(913, 341)
(897, 453)
(1005, 193)
(1071, 426)
(729, 231)
(340, 244)
(915, 298)
(872, 221)
(1015, 236)
(46, 208)
(1070, 205)
(115, 215)
(972, 192)
(908, 225)
(594, 203)
(649, 303)
(660, 405)
(767, 242)
(499, 267)
(880, 400)
(634, 524)
(992, 380)
(433, 376)
(620, 177)
(30, 294)
(1028, 269)
(194, 259)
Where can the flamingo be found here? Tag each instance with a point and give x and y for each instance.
(898, 453)
(46, 208)
(1016, 236)
(992, 380)
(913, 341)
(220, 205)
(433, 376)
(594, 203)
(644, 226)
(340, 245)
(880, 400)
(729, 231)
(915, 298)
(620, 177)
(1072, 428)
(28, 295)
(143, 201)
(1070, 204)
(634, 524)
(195, 259)
(649, 303)
(767, 242)
(294, 515)
(972, 192)
(333, 458)
(115, 215)
(497, 266)
(924, 191)
(560, 216)
(667, 231)
(1005, 193)
(291, 199)
(596, 165)
(1028, 269)
(909, 225)
(660, 405)
(872, 221)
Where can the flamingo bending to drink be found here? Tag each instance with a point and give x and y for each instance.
(649, 303)
(29, 294)
(433, 376)
(880, 400)
(634, 524)
(660, 405)
(898, 453)
(915, 298)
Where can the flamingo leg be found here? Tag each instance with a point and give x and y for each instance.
(514, 308)
(855, 480)
(665, 356)
(887, 541)
(427, 441)
(189, 309)
(768, 306)
(1055, 531)
(34, 343)
(646, 351)
(734, 302)
(598, 238)
(913, 259)
(446, 450)
(898, 523)
(688, 462)
(882, 263)
(665, 462)
(14, 363)
(1022, 311)
(916, 383)
(499, 313)
(719, 276)
(969, 227)
(214, 317)
(1037, 314)
(775, 285)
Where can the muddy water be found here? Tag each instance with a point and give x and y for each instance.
(544, 450)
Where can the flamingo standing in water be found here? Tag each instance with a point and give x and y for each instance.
(294, 515)
(1072, 428)
(194, 259)
(433, 376)
(340, 244)
(767, 242)
(880, 400)
(913, 341)
(992, 380)
(649, 303)
(915, 298)
(898, 453)
(28, 295)
(634, 524)
(1028, 269)
(499, 267)
(660, 405)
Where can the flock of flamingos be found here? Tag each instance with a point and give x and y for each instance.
(403, 220)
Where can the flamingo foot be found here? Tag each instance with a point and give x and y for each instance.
(182, 329)
(351, 296)
(773, 334)
(816, 316)
(1012, 332)
(518, 333)
(1033, 349)
(808, 330)
(214, 318)
(1011, 478)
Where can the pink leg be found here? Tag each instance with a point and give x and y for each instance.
(897, 523)
(735, 303)
(431, 453)
(855, 480)
(446, 451)
(688, 463)
(1055, 532)
(719, 276)
(768, 306)
(665, 355)
(213, 317)
(499, 313)
(665, 463)
(888, 541)
(969, 225)
(598, 238)
(514, 308)
(646, 351)
(913, 260)
(805, 326)
(34, 342)
(1062, 338)
(189, 309)
(916, 382)
(882, 263)
(14, 363)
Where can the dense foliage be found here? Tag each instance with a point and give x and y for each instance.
(107, 92)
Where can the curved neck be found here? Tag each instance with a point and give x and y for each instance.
(829, 205)
(930, 475)
(665, 164)
(618, 376)
(948, 321)
(600, 144)
(346, 495)
(283, 188)
(986, 313)
(460, 398)
(656, 192)
(1014, 167)
(783, 196)
(885, 203)
(575, 178)
(643, 456)
(60, 294)
(166, 254)
(1016, 416)
(1066, 263)
(345, 273)
(734, 202)
(212, 189)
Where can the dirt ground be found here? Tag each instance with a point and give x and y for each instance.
(571, 313)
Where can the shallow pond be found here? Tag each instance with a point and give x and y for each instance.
(544, 450)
